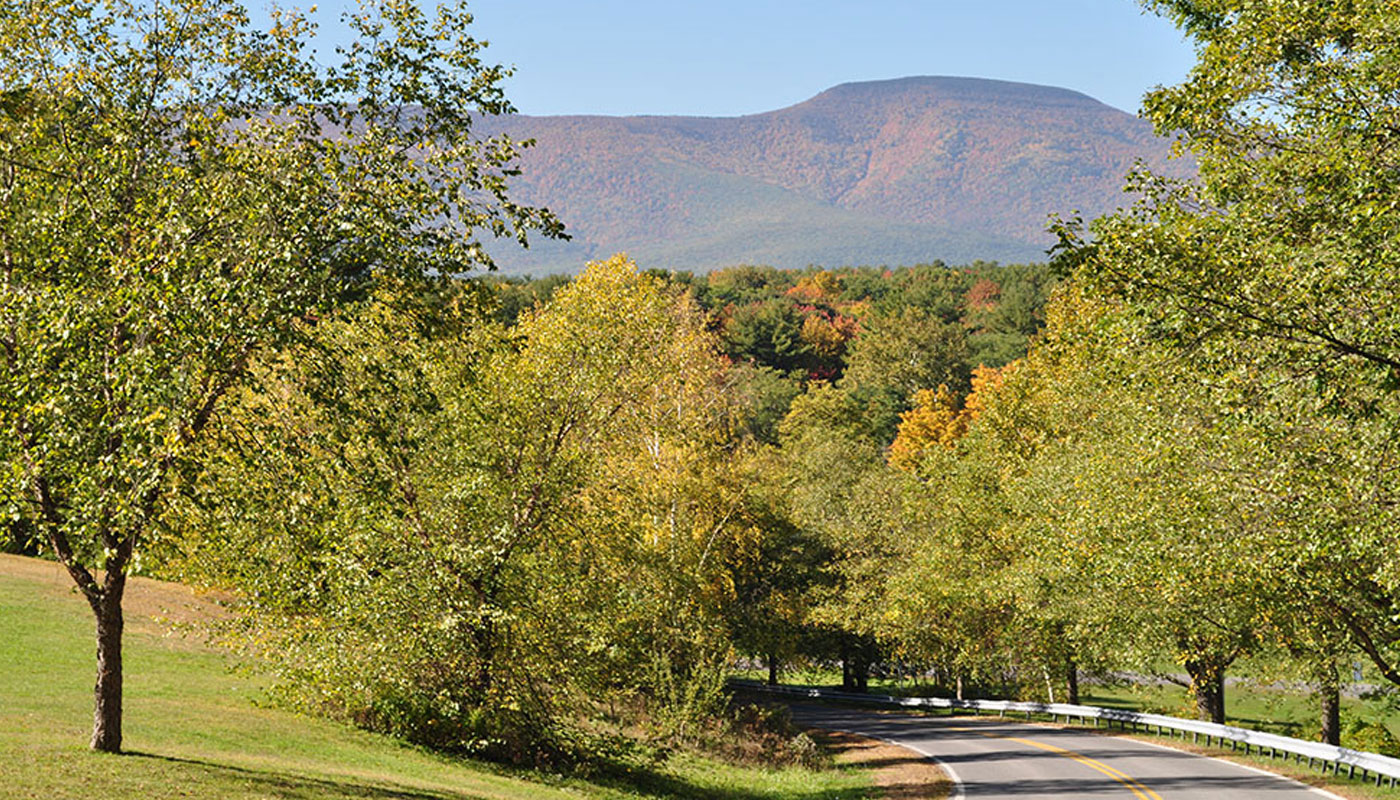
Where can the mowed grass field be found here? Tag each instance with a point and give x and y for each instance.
(193, 730)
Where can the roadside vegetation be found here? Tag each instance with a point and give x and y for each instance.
(1194, 463)
(199, 727)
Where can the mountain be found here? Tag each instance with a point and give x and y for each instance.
(884, 172)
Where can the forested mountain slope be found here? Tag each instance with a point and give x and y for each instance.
(886, 172)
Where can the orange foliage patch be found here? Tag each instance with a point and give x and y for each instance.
(939, 419)
(983, 295)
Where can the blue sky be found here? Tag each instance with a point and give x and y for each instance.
(731, 57)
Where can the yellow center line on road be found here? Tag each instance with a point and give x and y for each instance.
(1138, 790)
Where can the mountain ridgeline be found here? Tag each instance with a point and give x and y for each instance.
(886, 172)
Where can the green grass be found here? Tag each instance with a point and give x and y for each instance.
(1288, 713)
(192, 728)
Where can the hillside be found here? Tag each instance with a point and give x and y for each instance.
(193, 729)
(886, 172)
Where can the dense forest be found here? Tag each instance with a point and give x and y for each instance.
(538, 519)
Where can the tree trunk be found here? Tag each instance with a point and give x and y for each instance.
(484, 643)
(960, 687)
(1218, 712)
(855, 664)
(105, 600)
(1072, 679)
(772, 670)
(1208, 687)
(107, 694)
(1329, 691)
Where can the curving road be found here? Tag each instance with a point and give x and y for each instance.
(1004, 760)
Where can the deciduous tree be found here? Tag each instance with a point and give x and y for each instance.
(482, 535)
(179, 193)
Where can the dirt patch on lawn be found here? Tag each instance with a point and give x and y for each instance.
(151, 607)
(900, 774)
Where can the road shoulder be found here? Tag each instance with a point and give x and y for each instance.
(899, 773)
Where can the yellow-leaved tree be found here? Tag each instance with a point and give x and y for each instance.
(477, 536)
(939, 418)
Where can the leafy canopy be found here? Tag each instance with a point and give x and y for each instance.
(180, 192)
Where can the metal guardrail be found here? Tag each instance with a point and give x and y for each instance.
(1369, 765)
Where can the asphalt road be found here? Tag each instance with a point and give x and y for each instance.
(993, 759)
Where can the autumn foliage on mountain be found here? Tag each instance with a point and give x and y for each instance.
(886, 172)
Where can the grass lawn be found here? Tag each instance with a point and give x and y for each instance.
(1284, 712)
(192, 727)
